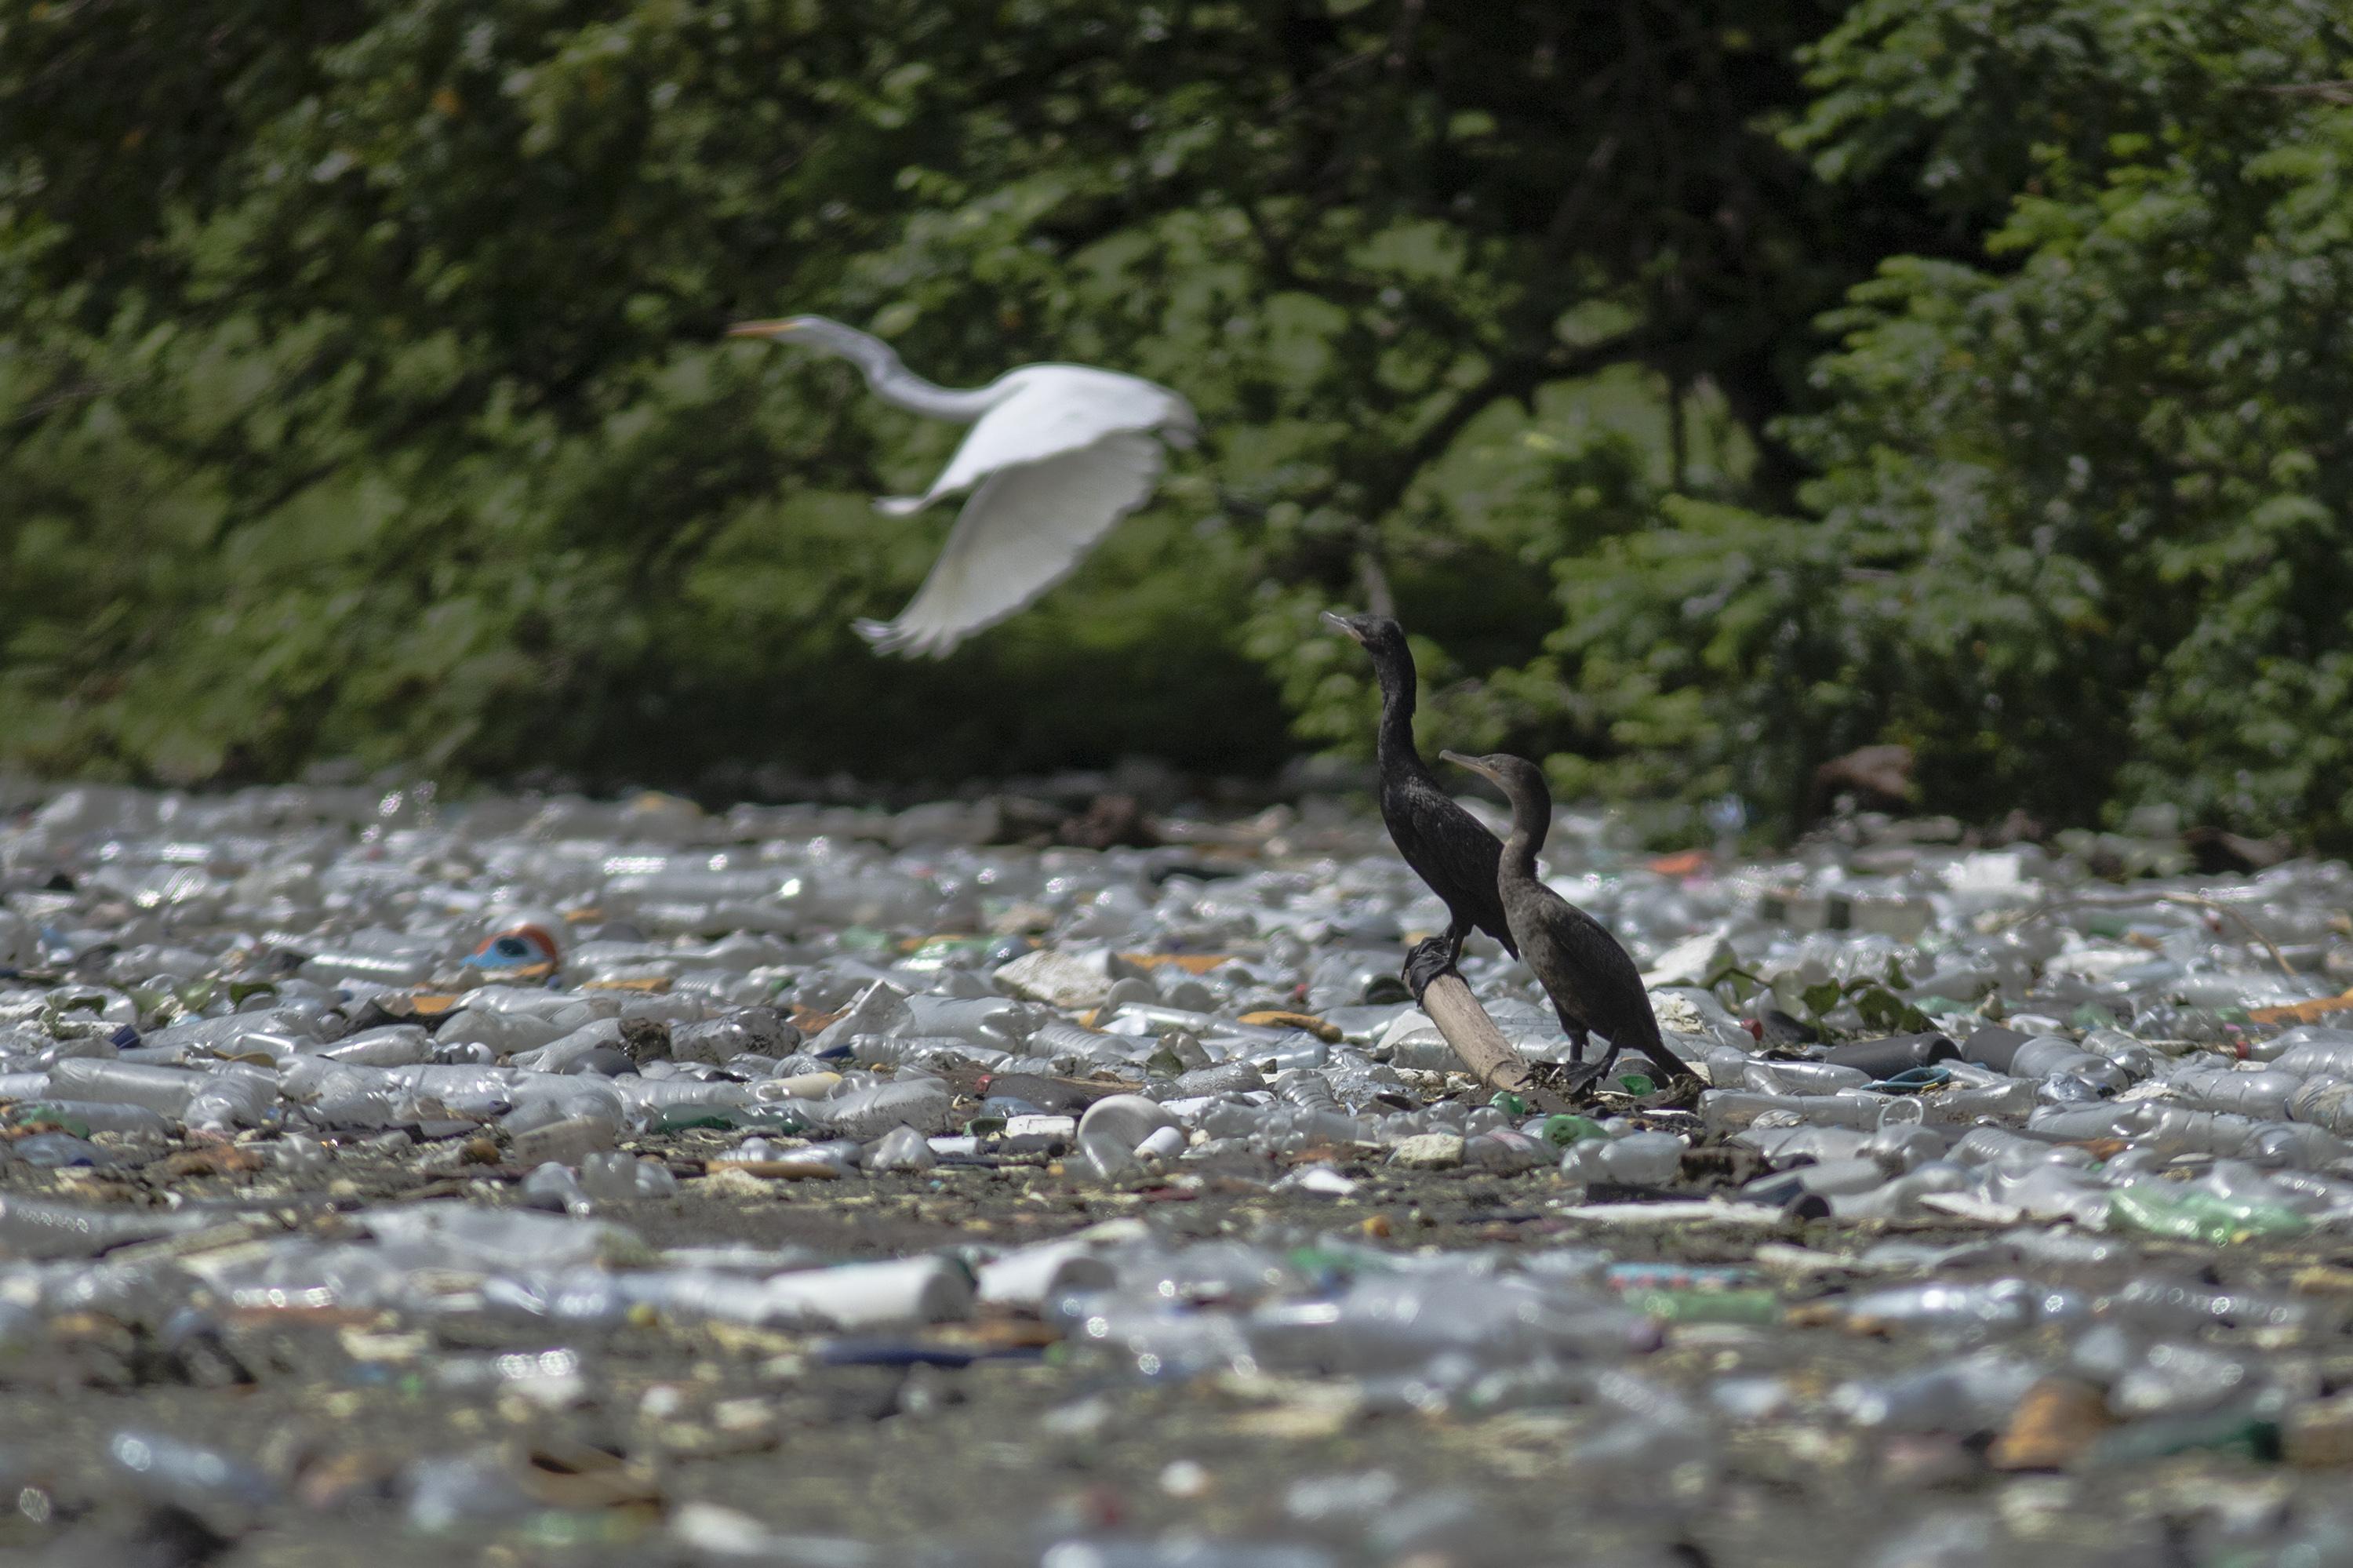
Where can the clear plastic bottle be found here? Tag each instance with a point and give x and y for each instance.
(2307, 1049)
(163, 1089)
(98, 1116)
(2014, 1099)
(2047, 1056)
(2325, 1102)
(1723, 1109)
(901, 1149)
(1965, 1311)
(1789, 1077)
(1969, 1394)
(924, 1104)
(234, 1095)
(1399, 1322)
(2132, 1058)
(1646, 1158)
(2220, 1087)
(223, 1492)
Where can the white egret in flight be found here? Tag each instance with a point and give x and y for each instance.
(1057, 453)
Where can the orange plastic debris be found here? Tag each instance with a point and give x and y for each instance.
(1191, 963)
(2304, 1012)
(1272, 1018)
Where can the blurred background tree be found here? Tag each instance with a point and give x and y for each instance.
(363, 397)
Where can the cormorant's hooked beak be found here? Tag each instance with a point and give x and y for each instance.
(1475, 765)
(1338, 622)
(759, 329)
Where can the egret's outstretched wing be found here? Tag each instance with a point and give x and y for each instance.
(1048, 411)
(1021, 533)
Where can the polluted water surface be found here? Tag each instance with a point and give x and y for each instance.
(630, 1181)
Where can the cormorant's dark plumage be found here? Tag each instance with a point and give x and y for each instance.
(1593, 983)
(1445, 844)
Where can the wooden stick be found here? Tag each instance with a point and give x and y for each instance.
(1482, 1045)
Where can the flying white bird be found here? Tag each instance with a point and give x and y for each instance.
(1057, 453)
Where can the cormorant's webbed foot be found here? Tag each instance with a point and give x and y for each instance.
(1677, 1089)
(1424, 963)
(1680, 1092)
(1576, 1080)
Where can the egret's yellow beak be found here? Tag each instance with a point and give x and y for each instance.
(759, 329)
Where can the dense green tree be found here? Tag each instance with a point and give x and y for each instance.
(363, 394)
(366, 396)
(2080, 532)
(2113, 493)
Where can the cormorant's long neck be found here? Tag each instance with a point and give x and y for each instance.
(1531, 821)
(903, 389)
(1395, 750)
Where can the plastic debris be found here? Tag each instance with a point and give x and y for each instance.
(533, 1151)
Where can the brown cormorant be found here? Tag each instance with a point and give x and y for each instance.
(1445, 844)
(1593, 985)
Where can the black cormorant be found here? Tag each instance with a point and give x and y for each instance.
(1593, 985)
(1445, 844)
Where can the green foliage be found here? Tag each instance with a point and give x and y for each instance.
(366, 397)
(2079, 533)
(2095, 490)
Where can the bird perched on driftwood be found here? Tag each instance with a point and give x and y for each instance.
(1057, 453)
(1448, 848)
(1593, 985)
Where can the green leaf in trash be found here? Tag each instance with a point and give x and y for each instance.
(1883, 1009)
(1821, 997)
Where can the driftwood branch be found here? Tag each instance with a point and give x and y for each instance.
(1482, 1045)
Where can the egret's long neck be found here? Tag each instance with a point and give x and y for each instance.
(903, 389)
(1395, 742)
(1531, 820)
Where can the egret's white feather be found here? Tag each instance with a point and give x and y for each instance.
(1058, 453)
(1046, 410)
(1022, 532)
